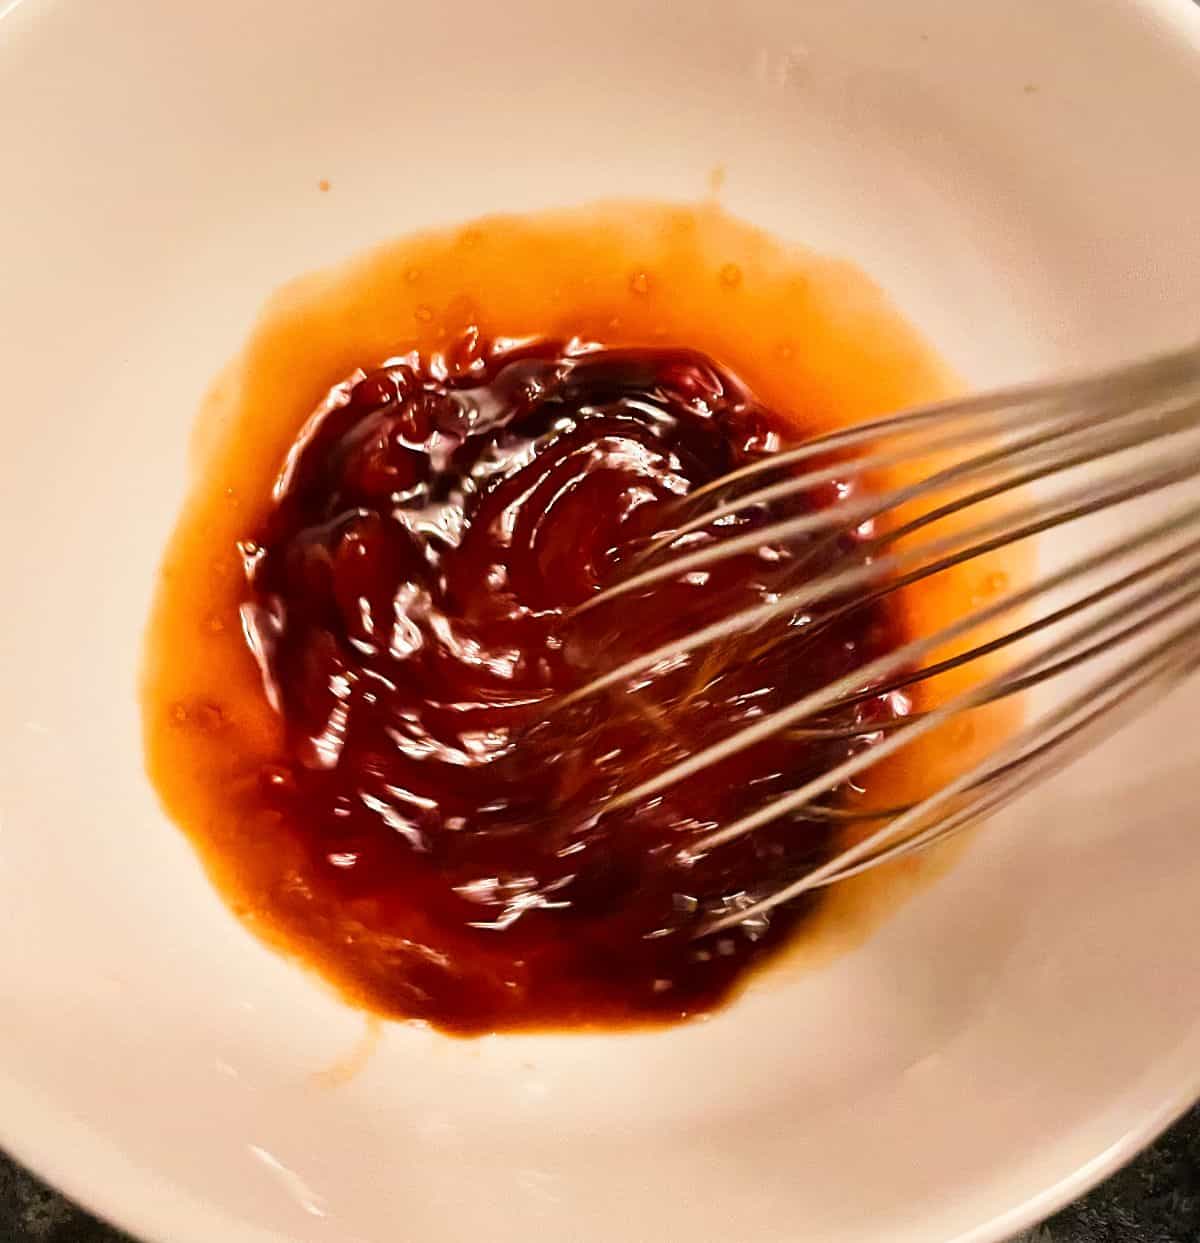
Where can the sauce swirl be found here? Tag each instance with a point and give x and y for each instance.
(413, 599)
(368, 614)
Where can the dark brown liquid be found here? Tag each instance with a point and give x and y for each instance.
(411, 813)
(411, 600)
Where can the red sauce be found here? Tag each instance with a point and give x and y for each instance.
(411, 597)
(385, 787)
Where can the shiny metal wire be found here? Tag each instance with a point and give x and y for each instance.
(1099, 635)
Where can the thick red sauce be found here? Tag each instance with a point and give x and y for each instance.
(410, 597)
(411, 815)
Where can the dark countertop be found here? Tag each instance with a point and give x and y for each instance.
(1155, 1199)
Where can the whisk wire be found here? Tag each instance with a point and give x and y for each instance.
(990, 535)
(936, 717)
(1170, 372)
(1122, 698)
(1174, 559)
(1182, 415)
(1116, 401)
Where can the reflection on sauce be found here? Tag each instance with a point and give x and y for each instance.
(365, 611)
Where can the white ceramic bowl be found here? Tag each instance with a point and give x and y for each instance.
(1022, 177)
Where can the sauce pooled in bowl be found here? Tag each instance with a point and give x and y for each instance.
(380, 603)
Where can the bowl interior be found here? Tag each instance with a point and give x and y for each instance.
(996, 1045)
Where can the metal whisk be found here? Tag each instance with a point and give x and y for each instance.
(1098, 467)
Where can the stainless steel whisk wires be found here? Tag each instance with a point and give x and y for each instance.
(1108, 628)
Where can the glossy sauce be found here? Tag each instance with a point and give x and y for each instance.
(364, 735)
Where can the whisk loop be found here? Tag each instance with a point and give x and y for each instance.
(1127, 437)
(1040, 456)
